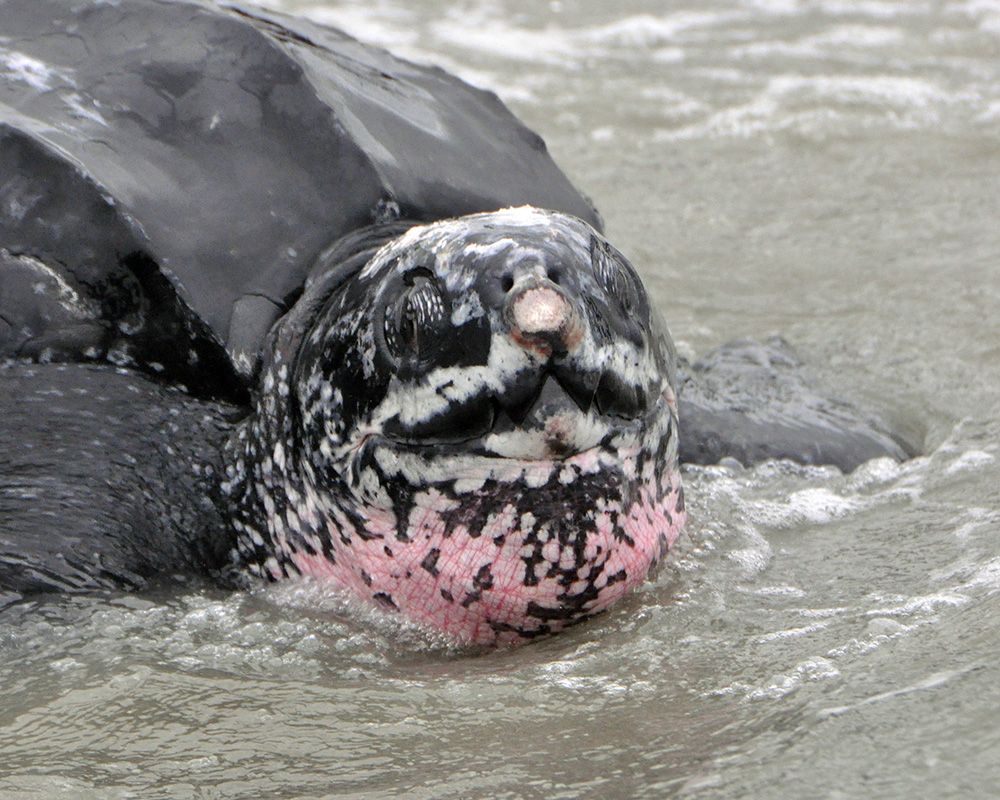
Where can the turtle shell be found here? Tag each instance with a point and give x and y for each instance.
(170, 171)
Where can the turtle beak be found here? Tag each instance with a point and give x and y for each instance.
(558, 391)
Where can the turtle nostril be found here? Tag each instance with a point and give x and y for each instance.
(507, 282)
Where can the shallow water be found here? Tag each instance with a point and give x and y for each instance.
(824, 169)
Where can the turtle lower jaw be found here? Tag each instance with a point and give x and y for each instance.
(525, 449)
(468, 468)
(563, 433)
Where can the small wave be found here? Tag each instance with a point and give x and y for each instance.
(971, 459)
(824, 103)
(875, 9)
(934, 681)
(648, 30)
(555, 47)
(816, 668)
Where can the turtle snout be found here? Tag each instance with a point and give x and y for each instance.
(549, 321)
(542, 317)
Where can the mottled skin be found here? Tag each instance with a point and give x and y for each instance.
(479, 430)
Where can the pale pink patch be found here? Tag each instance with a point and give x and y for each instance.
(434, 578)
(541, 310)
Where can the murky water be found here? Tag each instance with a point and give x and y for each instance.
(825, 169)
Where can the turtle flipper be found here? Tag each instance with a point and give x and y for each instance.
(106, 480)
(751, 401)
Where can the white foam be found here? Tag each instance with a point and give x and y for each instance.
(818, 505)
(779, 591)
(755, 557)
(987, 576)
(498, 38)
(855, 36)
(978, 518)
(811, 669)
(894, 90)
(922, 605)
(876, 9)
(971, 459)
(792, 633)
(775, 7)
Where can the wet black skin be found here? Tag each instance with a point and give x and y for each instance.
(752, 401)
(107, 480)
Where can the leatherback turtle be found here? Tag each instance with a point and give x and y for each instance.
(276, 303)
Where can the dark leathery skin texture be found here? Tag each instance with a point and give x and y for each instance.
(107, 480)
(411, 447)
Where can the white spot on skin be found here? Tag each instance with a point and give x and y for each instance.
(537, 475)
(469, 485)
(572, 431)
(433, 500)
(470, 307)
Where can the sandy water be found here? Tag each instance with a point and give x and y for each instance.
(825, 169)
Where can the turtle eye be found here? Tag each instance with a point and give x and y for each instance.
(615, 278)
(414, 323)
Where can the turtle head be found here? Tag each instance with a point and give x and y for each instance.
(479, 430)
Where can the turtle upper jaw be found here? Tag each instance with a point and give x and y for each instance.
(549, 415)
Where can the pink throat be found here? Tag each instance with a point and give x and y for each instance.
(508, 576)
